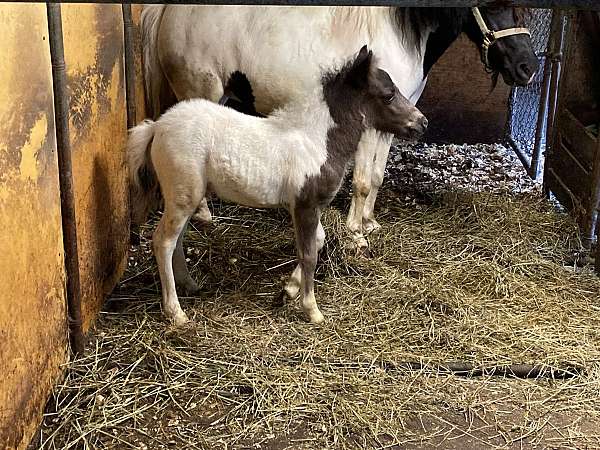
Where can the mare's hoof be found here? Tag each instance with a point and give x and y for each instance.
(202, 218)
(180, 319)
(291, 290)
(370, 226)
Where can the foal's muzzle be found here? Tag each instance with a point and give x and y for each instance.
(416, 128)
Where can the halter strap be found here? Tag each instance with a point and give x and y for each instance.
(490, 36)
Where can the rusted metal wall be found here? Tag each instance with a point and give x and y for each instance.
(33, 327)
(458, 100)
(93, 39)
(33, 316)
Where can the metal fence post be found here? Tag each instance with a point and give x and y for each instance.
(65, 176)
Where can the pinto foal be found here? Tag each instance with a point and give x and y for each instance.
(295, 158)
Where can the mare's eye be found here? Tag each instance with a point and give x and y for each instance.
(390, 99)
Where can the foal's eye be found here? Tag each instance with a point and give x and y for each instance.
(390, 99)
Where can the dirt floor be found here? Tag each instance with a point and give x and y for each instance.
(470, 266)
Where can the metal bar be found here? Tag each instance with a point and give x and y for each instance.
(536, 154)
(520, 153)
(589, 227)
(65, 176)
(557, 56)
(556, 26)
(129, 58)
(592, 5)
(128, 49)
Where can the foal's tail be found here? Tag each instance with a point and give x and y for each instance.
(144, 188)
(159, 95)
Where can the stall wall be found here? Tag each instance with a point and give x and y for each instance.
(93, 39)
(33, 327)
(33, 317)
(458, 99)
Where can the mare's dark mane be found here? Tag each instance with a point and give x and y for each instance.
(447, 23)
(412, 22)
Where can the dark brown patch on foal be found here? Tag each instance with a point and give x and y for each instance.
(358, 96)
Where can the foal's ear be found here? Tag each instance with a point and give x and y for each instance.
(359, 73)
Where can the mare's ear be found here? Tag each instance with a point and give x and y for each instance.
(359, 72)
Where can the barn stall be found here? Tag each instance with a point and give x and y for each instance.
(473, 323)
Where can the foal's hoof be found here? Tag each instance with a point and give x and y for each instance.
(364, 252)
(316, 317)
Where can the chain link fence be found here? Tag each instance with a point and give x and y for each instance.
(524, 102)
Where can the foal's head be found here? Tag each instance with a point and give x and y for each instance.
(380, 103)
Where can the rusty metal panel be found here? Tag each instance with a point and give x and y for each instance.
(458, 102)
(33, 327)
(93, 41)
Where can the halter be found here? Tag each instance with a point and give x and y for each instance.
(490, 37)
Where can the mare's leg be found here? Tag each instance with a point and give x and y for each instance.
(381, 156)
(292, 287)
(306, 222)
(183, 278)
(361, 185)
(203, 214)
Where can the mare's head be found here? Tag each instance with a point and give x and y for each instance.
(499, 32)
(504, 44)
(377, 99)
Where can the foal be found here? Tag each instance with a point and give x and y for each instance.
(295, 158)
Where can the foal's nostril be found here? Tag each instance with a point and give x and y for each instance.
(424, 123)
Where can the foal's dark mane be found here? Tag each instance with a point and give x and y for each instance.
(342, 99)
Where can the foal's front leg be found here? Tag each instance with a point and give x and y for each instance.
(306, 223)
(292, 287)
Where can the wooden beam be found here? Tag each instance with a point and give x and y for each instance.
(593, 5)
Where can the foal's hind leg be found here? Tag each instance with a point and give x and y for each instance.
(183, 278)
(382, 151)
(292, 287)
(164, 242)
(306, 222)
(198, 83)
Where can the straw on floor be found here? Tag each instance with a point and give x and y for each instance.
(476, 278)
